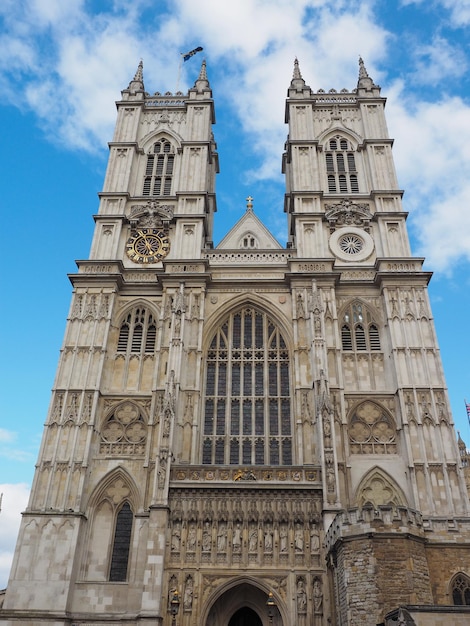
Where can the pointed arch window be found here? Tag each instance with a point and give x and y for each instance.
(359, 331)
(247, 410)
(341, 166)
(121, 544)
(159, 169)
(138, 332)
(461, 590)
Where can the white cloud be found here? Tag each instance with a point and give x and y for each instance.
(6, 435)
(14, 501)
(438, 61)
(432, 155)
(459, 9)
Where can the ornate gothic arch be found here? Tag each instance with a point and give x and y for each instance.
(459, 589)
(146, 143)
(116, 487)
(377, 488)
(128, 307)
(253, 300)
(254, 595)
(331, 132)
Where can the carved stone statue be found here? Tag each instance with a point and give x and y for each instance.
(206, 537)
(176, 538)
(192, 538)
(299, 538)
(253, 539)
(237, 538)
(301, 596)
(222, 538)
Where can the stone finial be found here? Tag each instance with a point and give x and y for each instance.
(362, 69)
(137, 83)
(296, 73)
(297, 81)
(202, 81)
(364, 80)
(139, 75)
(249, 203)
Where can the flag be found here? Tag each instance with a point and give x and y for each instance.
(468, 409)
(190, 54)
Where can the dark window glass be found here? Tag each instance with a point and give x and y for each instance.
(121, 544)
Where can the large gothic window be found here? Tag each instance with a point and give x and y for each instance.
(341, 166)
(138, 332)
(159, 169)
(247, 411)
(461, 590)
(359, 331)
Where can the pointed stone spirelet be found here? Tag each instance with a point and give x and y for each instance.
(139, 75)
(297, 80)
(137, 83)
(362, 69)
(364, 80)
(202, 81)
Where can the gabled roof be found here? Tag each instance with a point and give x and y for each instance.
(249, 233)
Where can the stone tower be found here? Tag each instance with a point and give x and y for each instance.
(246, 435)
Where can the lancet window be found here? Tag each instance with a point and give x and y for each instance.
(138, 332)
(341, 166)
(359, 331)
(121, 544)
(247, 410)
(159, 169)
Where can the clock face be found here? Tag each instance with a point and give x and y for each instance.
(147, 245)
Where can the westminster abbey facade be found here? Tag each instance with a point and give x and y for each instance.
(246, 434)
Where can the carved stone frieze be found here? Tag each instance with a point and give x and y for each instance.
(348, 213)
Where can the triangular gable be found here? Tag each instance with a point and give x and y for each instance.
(249, 233)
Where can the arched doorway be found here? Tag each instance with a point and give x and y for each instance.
(245, 617)
(242, 604)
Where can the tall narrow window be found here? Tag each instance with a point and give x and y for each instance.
(159, 170)
(359, 331)
(247, 410)
(138, 332)
(121, 544)
(341, 166)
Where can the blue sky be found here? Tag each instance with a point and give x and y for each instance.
(63, 65)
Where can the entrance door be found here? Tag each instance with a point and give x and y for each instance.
(245, 617)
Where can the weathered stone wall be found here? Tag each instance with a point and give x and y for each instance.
(445, 561)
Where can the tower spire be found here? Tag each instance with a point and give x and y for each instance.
(297, 81)
(297, 87)
(202, 81)
(362, 69)
(137, 83)
(365, 81)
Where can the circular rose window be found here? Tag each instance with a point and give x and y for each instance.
(351, 244)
